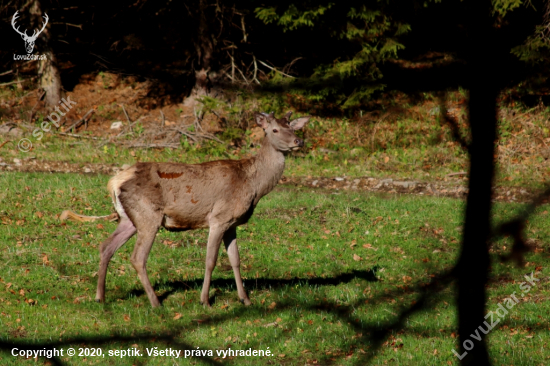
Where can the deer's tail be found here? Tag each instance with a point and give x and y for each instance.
(69, 215)
(114, 190)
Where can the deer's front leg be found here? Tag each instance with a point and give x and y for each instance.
(214, 240)
(230, 241)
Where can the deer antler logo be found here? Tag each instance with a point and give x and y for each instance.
(29, 40)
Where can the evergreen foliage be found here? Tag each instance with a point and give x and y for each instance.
(370, 36)
(340, 55)
(362, 36)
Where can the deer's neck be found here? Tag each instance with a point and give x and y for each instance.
(267, 169)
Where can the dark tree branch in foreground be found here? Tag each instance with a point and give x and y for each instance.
(516, 226)
(452, 122)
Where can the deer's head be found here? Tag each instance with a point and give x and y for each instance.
(29, 40)
(280, 132)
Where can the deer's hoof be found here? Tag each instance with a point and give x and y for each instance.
(246, 302)
(98, 301)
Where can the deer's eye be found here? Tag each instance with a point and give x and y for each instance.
(275, 130)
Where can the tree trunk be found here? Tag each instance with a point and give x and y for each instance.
(204, 47)
(48, 72)
(473, 264)
(50, 80)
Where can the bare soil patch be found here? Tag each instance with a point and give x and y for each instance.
(106, 94)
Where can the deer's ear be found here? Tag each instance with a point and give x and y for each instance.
(261, 120)
(298, 123)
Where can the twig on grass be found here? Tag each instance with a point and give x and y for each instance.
(209, 137)
(77, 123)
(127, 117)
(149, 146)
(123, 132)
(3, 143)
(197, 122)
(186, 133)
(78, 136)
(457, 173)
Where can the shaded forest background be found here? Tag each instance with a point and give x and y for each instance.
(338, 57)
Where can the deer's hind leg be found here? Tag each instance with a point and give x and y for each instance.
(144, 242)
(124, 231)
(147, 219)
(230, 241)
(142, 201)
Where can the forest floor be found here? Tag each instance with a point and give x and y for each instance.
(406, 144)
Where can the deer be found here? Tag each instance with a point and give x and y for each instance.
(219, 195)
(29, 40)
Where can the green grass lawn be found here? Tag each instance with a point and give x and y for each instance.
(325, 272)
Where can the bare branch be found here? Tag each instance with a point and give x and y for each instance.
(247, 83)
(254, 78)
(127, 118)
(516, 228)
(209, 137)
(230, 78)
(289, 66)
(11, 83)
(197, 123)
(188, 134)
(78, 123)
(274, 69)
(123, 132)
(232, 67)
(79, 26)
(452, 123)
(244, 29)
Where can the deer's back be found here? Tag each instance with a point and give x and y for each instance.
(193, 195)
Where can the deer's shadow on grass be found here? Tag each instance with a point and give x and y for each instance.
(172, 287)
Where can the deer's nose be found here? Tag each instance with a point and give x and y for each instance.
(299, 142)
